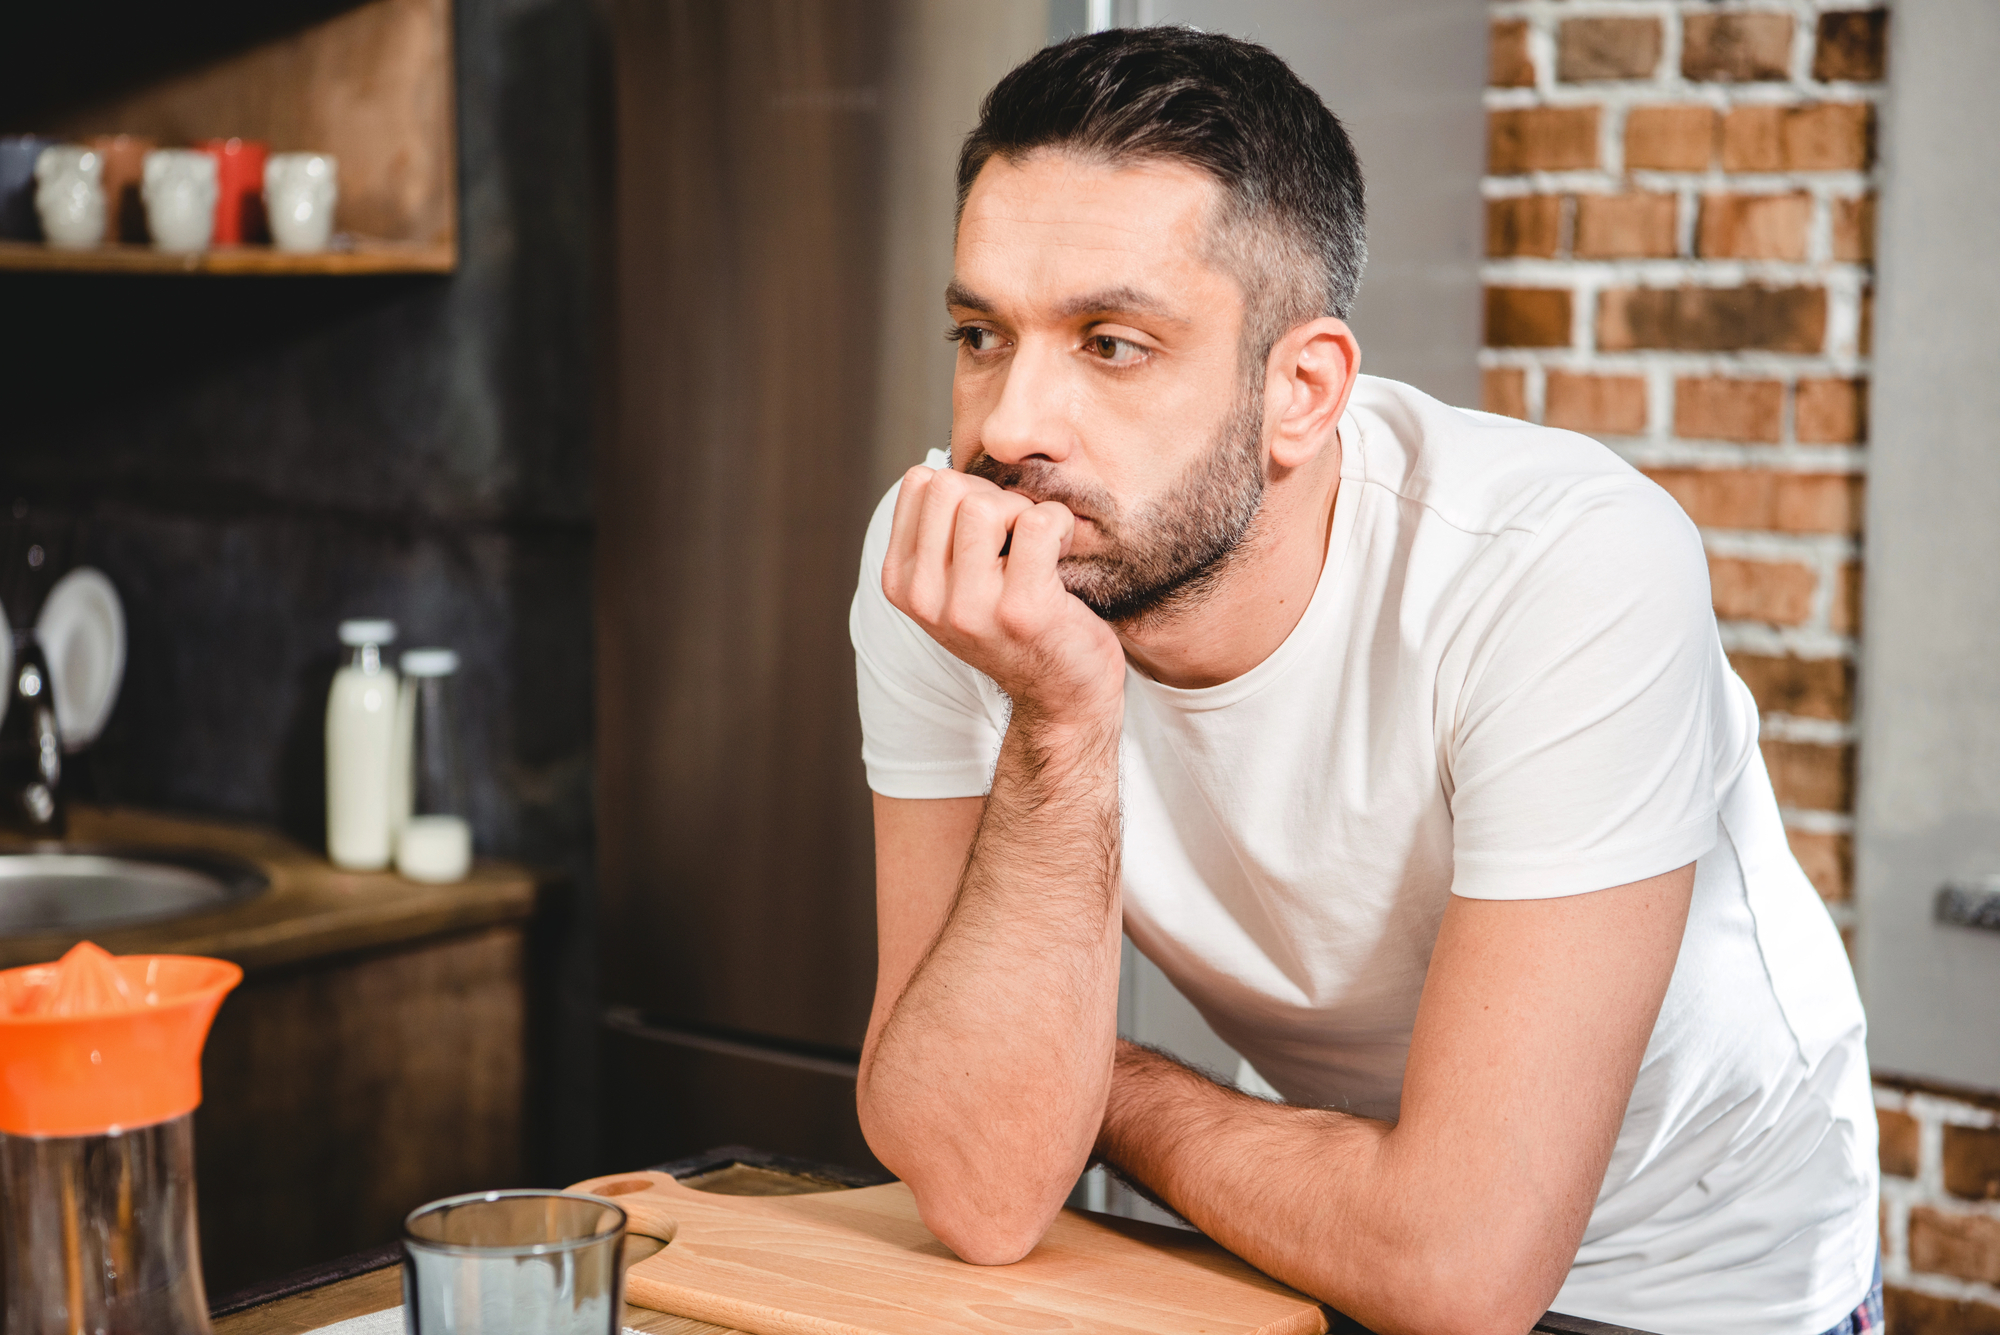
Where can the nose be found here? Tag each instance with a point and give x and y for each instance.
(1030, 419)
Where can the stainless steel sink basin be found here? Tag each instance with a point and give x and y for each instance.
(70, 888)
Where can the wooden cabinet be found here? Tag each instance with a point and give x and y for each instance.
(371, 84)
(375, 1056)
(339, 1095)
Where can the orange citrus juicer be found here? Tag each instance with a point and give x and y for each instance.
(97, 1043)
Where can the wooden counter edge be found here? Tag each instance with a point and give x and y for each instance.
(305, 915)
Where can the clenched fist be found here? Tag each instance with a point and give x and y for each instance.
(976, 567)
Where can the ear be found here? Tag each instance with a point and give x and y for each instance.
(1306, 386)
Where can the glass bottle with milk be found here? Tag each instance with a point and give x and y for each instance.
(434, 839)
(360, 742)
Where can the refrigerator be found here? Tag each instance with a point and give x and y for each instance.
(773, 361)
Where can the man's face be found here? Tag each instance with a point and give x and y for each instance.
(1099, 365)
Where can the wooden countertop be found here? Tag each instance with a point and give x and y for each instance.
(311, 910)
(372, 1282)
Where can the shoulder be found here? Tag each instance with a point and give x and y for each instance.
(1485, 474)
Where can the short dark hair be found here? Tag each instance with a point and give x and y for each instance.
(1292, 224)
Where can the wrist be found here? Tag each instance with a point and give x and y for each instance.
(1074, 716)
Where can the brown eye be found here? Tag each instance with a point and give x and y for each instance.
(1104, 346)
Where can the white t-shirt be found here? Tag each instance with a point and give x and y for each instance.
(1508, 685)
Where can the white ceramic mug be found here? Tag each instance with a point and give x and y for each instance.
(69, 195)
(179, 189)
(300, 191)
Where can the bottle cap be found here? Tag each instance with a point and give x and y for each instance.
(96, 1043)
(354, 634)
(428, 662)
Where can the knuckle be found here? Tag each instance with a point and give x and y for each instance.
(962, 620)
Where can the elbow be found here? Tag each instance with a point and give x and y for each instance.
(989, 1204)
(985, 1231)
(1468, 1314)
(1445, 1291)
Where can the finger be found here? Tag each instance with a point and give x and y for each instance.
(985, 519)
(903, 530)
(1042, 537)
(927, 577)
(974, 582)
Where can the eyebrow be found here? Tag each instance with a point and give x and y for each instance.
(1106, 301)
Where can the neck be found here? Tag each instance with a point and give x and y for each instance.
(1240, 620)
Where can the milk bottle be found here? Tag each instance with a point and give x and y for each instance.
(360, 741)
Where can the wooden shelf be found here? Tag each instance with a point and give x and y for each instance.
(360, 255)
(370, 83)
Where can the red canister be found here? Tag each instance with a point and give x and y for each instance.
(239, 189)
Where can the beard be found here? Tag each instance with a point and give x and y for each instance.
(1170, 554)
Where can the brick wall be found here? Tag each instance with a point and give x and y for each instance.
(1940, 1208)
(1680, 217)
(1679, 229)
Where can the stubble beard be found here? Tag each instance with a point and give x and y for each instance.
(1168, 557)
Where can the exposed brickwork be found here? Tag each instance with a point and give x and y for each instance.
(1504, 390)
(1607, 48)
(1844, 617)
(1609, 404)
(1770, 499)
(1854, 229)
(1509, 65)
(1801, 687)
(1828, 862)
(1779, 593)
(1698, 178)
(1945, 1242)
(1811, 776)
(1528, 225)
(1736, 48)
(1972, 1162)
(1941, 1234)
(1670, 139)
(1541, 139)
(1527, 317)
(1754, 227)
(1629, 226)
(1831, 412)
(1907, 1312)
(1899, 1132)
(1820, 137)
(1851, 45)
(1725, 408)
(1712, 319)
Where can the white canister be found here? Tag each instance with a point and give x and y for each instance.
(300, 192)
(69, 195)
(179, 189)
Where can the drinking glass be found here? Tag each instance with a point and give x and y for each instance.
(508, 1262)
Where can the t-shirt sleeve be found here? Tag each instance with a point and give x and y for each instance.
(1583, 753)
(930, 725)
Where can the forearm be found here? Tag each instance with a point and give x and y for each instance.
(984, 1087)
(1397, 1235)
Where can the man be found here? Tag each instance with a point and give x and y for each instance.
(1399, 737)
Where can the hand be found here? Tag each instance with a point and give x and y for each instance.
(975, 566)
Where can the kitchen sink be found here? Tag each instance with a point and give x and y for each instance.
(76, 887)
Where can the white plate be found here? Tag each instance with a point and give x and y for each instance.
(82, 633)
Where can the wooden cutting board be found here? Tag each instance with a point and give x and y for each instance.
(861, 1262)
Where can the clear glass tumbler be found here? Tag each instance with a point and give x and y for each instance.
(501, 1262)
(99, 1233)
